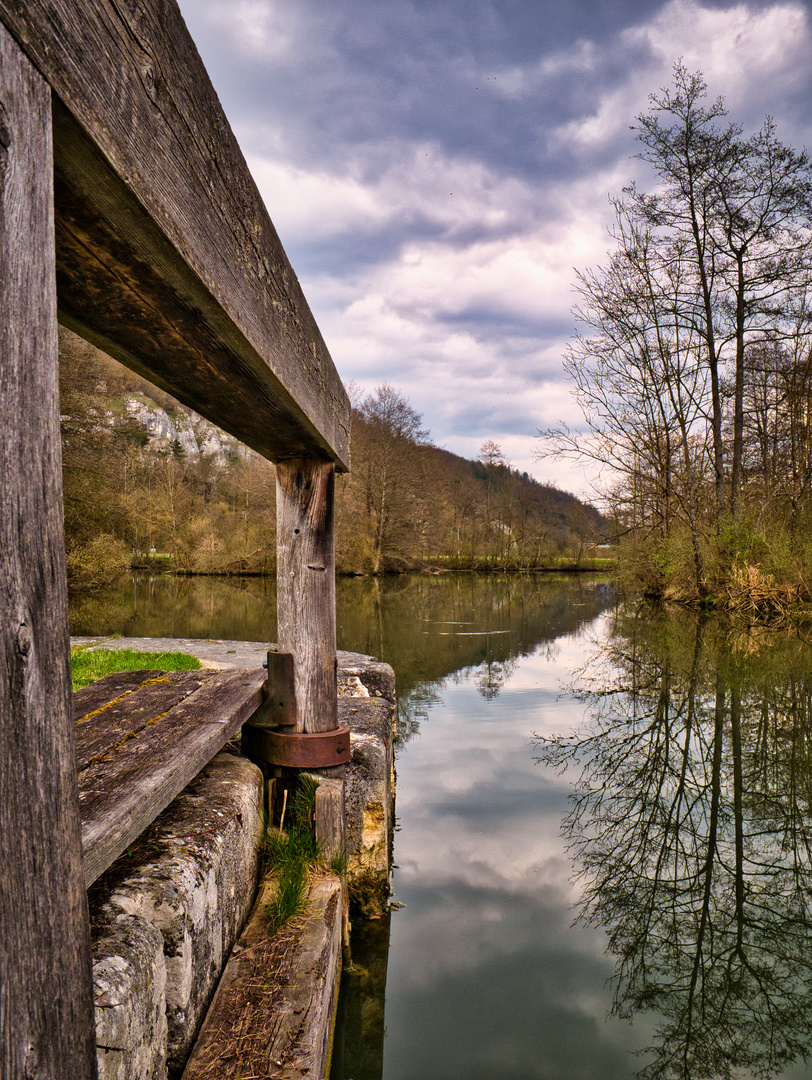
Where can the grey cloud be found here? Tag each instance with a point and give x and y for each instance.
(358, 73)
(355, 90)
(506, 419)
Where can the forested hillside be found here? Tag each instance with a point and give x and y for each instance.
(148, 481)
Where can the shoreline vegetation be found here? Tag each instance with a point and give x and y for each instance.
(135, 502)
(564, 565)
(692, 363)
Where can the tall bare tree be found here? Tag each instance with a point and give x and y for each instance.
(743, 206)
(713, 262)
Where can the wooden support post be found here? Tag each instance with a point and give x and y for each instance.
(305, 493)
(46, 989)
(306, 612)
(331, 828)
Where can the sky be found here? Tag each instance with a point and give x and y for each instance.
(437, 170)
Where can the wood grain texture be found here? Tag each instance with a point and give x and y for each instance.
(46, 1002)
(100, 693)
(331, 817)
(305, 576)
(151, 758)
(167, 257)
(127, 714)
(279, 709)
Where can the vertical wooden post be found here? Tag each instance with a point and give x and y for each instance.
(305, 494)
(46, 989)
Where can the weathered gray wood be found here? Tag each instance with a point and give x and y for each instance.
(123, 791)
(101, 693)
(46, 1002)
(305, 574)
(126, 714)
(279, 709)
(330, 817)
(167, 257)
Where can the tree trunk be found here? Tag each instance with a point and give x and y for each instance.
(736, 469)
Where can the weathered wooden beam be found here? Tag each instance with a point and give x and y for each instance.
(167, 258)
(149, 747)
(305, 573)
(273, 1013)
(280, 707)
(46, 990)
(331, 815)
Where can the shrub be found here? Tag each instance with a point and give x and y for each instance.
(97, 563)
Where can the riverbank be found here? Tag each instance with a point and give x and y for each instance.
(401, 565)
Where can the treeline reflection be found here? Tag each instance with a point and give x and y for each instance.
(691, 828)
(460, 627)
(431, 628)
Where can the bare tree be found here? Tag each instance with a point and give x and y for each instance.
(743, 207)
(638, 377)
(716, 260)
(389, 462)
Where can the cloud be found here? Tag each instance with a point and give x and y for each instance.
(260, 28)
(739, 48)
(436, 172)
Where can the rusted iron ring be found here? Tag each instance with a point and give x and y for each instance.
(295, 749)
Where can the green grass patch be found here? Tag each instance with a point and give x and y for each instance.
(289, 900)
(292, 855)
(88, 664)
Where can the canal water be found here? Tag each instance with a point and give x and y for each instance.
(604, 829)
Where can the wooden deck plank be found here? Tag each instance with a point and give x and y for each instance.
(123, 790)
(127, 713)
(104, 690)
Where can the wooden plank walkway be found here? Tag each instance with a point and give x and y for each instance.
(141, 737)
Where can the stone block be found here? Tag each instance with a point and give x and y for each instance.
(129, 983)
(191, 878)
(367, 706)
(377, 678)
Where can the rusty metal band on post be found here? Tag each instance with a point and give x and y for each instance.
(295, 749)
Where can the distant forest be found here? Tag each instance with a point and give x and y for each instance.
(147, 482)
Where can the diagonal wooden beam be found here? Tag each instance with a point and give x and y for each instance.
(167, 257)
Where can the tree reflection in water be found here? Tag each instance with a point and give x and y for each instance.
(691, 828)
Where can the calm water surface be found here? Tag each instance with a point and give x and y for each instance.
(562, 758)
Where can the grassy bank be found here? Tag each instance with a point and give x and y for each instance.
(88, 664)
(759, 574)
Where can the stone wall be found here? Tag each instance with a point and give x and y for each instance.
(166, 916)
(367, 707)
